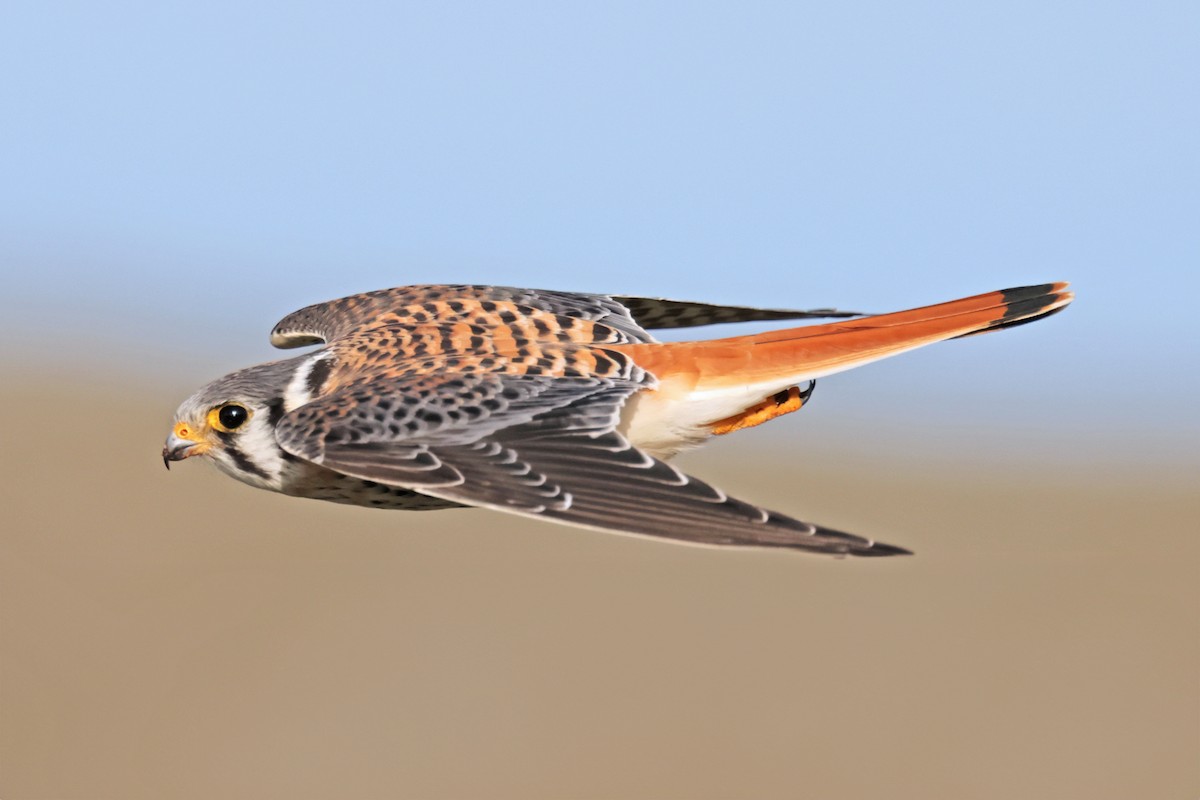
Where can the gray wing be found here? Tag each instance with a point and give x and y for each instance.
(626, 319)
(537, 446)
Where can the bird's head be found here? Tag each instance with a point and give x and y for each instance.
(231, 421)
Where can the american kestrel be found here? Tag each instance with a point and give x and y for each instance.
(551, 405)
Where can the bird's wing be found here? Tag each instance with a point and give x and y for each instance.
(656, 313)
(535, 445)
(587, 318)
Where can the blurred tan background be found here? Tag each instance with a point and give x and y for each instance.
(181, 635)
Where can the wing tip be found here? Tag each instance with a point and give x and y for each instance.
(879, 549)
(840, 543)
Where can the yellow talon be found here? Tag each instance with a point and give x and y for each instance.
(783, 403)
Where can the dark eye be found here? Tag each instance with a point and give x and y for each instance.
(232, 416)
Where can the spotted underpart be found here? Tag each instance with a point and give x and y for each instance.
(337, 488)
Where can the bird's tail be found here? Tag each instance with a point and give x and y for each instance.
(761, 365)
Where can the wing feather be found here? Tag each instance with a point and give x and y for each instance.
(625, 318)
(655, 313)
(543, 447)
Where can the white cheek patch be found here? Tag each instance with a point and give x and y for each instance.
(251, 455)
(257, 443)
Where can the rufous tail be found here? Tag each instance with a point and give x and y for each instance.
(781, 358)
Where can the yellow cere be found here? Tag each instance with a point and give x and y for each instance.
(184, 431)
(190, 433)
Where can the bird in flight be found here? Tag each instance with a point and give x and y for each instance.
(551, 405)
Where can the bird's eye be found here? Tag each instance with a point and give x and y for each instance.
(229, 417)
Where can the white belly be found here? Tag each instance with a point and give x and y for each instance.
(668, 420)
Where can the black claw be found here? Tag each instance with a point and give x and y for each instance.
(807, 393)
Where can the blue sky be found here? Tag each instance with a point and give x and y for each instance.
(178, 176)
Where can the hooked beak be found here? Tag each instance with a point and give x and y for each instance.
(178, 449)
